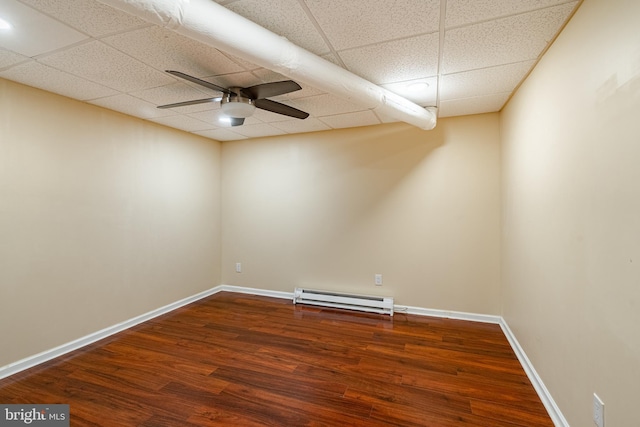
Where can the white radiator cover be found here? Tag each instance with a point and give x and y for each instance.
(368, 303)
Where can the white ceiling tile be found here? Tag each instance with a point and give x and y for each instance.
(503, 41)
(102, 64)
(213, 118)
(197, 108)
(176, 52)
(244, 79)
(305, 92)
(476, 105)
(246, 65)
(421, 91)
(299, 126)
(360, 118)
(465, 12)
(325, 105)
(267, 76)
(285, 18)
(176, 92)
(355, 23)
(133, 106)
(186, 123)
(270, 117)
(88, 16)
(486, 81)
(34, 33)
(221, 135)
(395, 61)
(257, 130)
(8, 58)
(38, 75)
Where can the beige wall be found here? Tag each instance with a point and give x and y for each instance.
(102, 218)
(329, 210)
(571, 214)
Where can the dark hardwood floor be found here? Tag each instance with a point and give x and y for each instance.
(243, 360)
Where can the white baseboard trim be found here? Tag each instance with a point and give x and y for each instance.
(547, 400)
(458, 315)
(31, 361)
(256, 291)
(553, 409)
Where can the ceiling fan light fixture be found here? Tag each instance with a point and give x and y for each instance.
(238, 109)
(237, 106)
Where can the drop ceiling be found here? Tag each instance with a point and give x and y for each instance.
(463, 56)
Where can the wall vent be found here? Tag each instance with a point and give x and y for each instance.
(368, 303)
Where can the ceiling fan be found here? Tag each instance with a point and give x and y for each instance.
(240, 102)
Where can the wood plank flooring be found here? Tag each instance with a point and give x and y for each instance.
(243, 360)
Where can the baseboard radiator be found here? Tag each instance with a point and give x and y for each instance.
(368, 303)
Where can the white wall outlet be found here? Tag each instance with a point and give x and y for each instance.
(598, 411)
(378, 279)
(238, 267)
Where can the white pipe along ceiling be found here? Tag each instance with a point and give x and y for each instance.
(208, 22)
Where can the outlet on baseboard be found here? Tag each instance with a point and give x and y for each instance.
(598, 411)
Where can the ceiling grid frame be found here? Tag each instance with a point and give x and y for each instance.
(478, 90)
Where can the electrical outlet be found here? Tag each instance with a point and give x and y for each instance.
(238, 267)
(378, 279)
(598, 411)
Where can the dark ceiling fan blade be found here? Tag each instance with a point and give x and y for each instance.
(199, 81)
(236, 121)
(276, 107)
(267, 90)
(196, 101)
